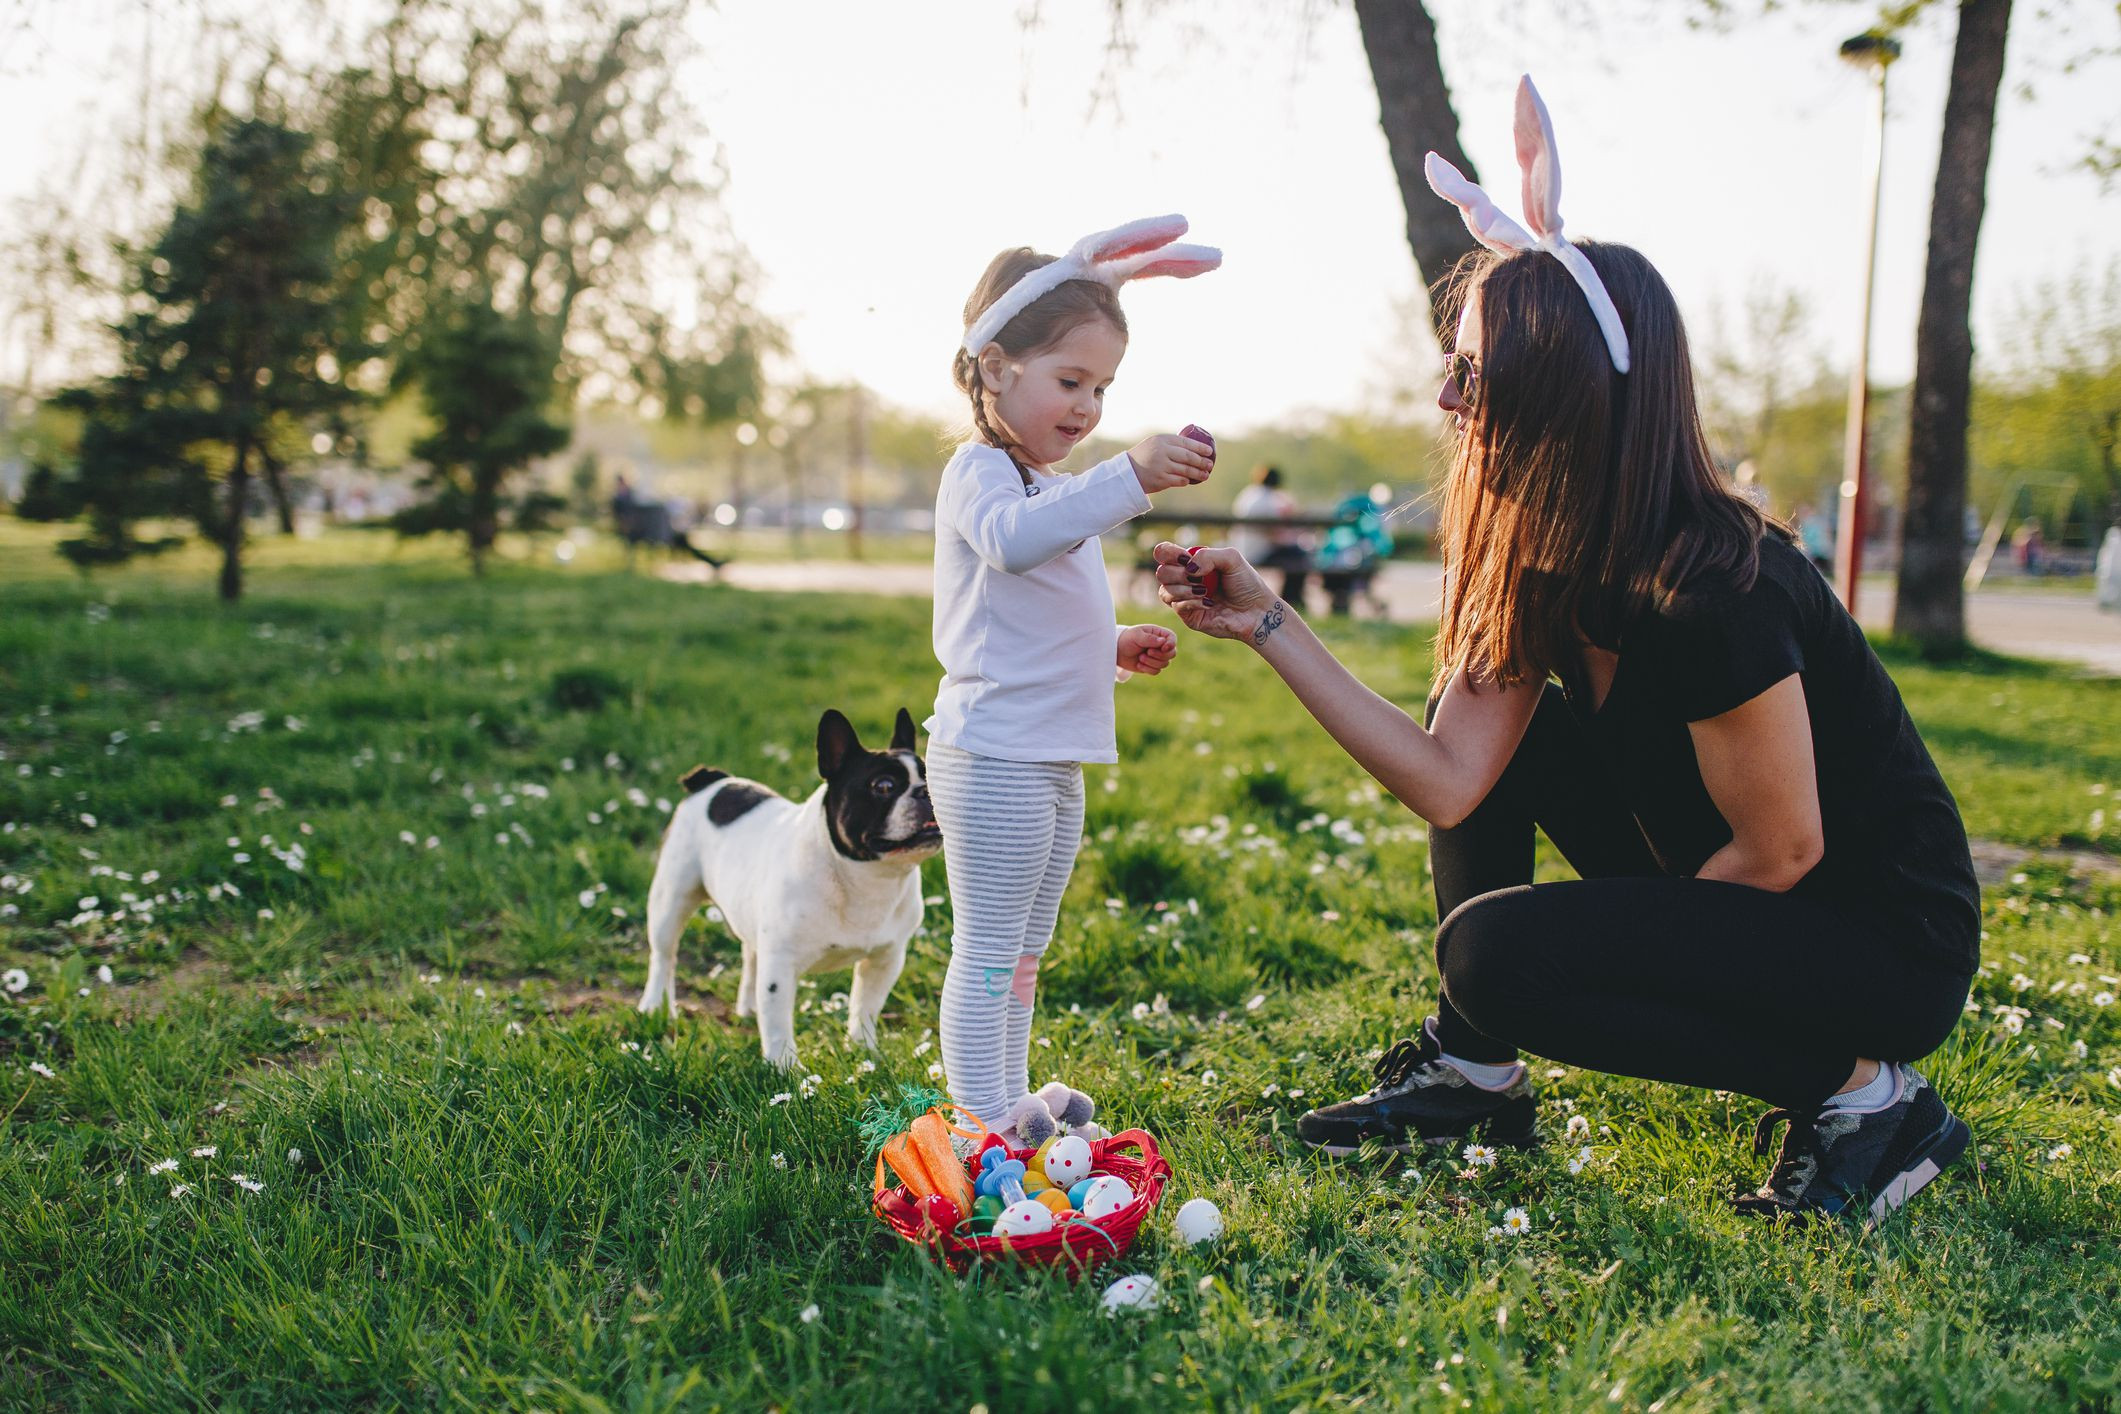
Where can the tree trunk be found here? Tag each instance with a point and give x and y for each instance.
(485, 516)
(1414, 108)
(232, 528)
(1930, 606)
(278, 484)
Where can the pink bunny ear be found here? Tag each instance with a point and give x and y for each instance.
(1150, 233)
(1482, 217)
(1539, 160)
(1181, 262)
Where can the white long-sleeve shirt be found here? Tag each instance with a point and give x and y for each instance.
(1023, 612)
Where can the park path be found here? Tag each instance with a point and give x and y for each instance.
(2064, 627)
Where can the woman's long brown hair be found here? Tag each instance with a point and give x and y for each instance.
(1580, 497)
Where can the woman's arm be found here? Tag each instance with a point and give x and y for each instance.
(1756, 761)
(1440, 775)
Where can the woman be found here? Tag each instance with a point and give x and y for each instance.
(1776, 894)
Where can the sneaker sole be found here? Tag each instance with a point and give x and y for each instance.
(1946, 1145)
(1527, 1140)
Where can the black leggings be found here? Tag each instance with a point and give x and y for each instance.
(1636, 972)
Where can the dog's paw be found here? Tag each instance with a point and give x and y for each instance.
(782, 1058)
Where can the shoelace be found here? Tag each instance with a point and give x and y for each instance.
(1402, 1060)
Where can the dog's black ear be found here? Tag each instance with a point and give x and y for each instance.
(902, 735)
(835, 742)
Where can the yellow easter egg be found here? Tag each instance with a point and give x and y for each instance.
(1034, 1184)
(1056, 1200)
(1037, 1162)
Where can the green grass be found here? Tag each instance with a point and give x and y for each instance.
(487, 1183)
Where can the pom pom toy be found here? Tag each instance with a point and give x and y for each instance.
(1132, 1293)
(1107, 1195)
(1037, 1118)
(1067, 1161)
(1070, 1107)
(1197, 1222)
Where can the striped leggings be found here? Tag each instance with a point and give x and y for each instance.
(1010, 833)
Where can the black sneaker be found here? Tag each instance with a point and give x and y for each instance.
(1419, 1099)
(1833, 1162)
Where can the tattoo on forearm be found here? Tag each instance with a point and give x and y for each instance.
(1269, 621)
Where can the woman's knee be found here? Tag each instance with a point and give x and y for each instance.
(1480, 952)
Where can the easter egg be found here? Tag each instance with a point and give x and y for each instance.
(1132, 1293)
(1036, 1183)
(1198, 1221)
(940, 1214)
(1024, 1219)
(1067, 1161)
(1037, 1162)
(1108, 1194)
(1055, 1200)
(1076, 1192)
(985, 1210)
(1209, 579)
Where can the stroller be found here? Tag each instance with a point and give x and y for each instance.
(1347, 561)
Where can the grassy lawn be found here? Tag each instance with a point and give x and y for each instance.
(364, 858)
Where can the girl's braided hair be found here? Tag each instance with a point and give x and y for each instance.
(1043, 323)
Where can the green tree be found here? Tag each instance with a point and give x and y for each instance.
(2053, 407)
(233, 338)
(486, 380)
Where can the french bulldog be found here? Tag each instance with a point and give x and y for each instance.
(833, 881)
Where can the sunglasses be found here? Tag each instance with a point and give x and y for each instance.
(1463, 370)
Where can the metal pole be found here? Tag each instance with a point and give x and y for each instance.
(1855, 454)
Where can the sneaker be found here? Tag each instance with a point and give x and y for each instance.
(1834, 1162)
(1420, 1098)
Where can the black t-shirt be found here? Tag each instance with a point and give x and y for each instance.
(1895, 849)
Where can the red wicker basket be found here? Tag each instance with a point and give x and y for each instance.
(1075, 1243)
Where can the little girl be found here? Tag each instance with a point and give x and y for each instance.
(1024, 629)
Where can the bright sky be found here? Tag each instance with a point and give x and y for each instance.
(878, 155)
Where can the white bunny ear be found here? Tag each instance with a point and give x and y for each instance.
(1482, 216)
(1120, 242)
(1540, 162)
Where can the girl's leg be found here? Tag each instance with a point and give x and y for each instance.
(1038, 928)
(1692, 981)
(998, 826)
(1554, 782)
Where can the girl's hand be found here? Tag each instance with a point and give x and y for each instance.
(1161, 463)
(1241, 599)
(1146, 648)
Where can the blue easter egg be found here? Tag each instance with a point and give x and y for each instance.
(1075, 1194)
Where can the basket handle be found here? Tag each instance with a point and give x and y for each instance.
(1137, 1139)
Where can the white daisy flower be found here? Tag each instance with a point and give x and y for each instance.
(15, 979)
(2102, 999)
(935, 1072)
(245, 1182)
(205, 1151)
(780, 1161)
(105, 975)
(809, 1313)
(1255, 1001)
(1578, 1126)
(587, 898)
(1479, 1156)
(1516, 1222)
(2060, 1152)
(180, 1190)
(294, 1156)
(42, 1069)
(165, 1166)
(781, 1099)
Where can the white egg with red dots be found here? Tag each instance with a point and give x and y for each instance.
(1133, 1293)
(1107, 1194)
(1024, 1219)
(1066, 1161)
(1197, 1222)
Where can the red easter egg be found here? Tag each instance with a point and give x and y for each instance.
(1208, 578)
(940, 1214)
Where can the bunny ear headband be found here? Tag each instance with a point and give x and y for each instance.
(1541, 165)
(1131, 252)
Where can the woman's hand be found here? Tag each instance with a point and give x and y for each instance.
(1160, 463)
(1146, 648)
(1240, 605)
